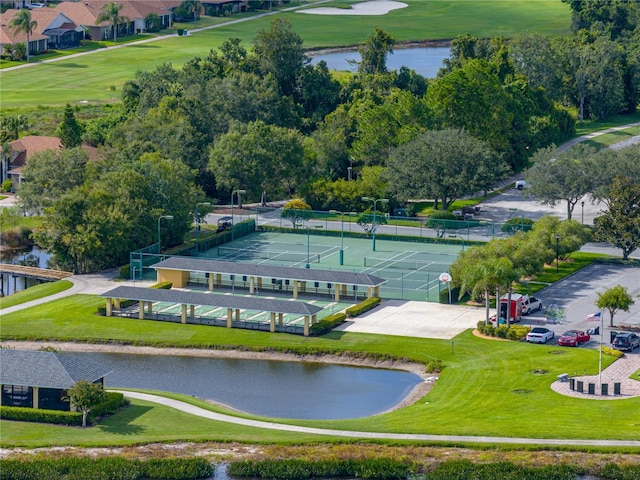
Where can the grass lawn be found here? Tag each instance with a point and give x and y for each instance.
(35, 292)
(99, 77)
(590, 126)
(486, 388)
(607, 139)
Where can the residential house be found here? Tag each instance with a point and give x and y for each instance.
(220, 7)
(53, 30)
(20, 151)
(38, 379)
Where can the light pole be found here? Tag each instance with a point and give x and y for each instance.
(204, 204)
(342, 214)
(557, 242)
(168, 217)
(582, 204)
(521, 217)
(461, 238)
(373, 225)
(239, 192)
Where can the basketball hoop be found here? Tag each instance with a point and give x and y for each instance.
(444, 277)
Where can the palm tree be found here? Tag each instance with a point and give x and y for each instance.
(193, 6)
(21, 22)
(110, 12)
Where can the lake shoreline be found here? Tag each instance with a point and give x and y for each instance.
(398, 46)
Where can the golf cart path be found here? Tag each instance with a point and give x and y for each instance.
(201, 412)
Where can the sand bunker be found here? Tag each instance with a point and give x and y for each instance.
(374, 7)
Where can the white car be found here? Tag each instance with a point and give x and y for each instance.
(521, 184)
(540, 335)
(530, 305)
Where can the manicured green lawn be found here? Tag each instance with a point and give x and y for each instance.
(486, 388)
(99, 77)
(607, 139)
(35, 292)
(591, 126)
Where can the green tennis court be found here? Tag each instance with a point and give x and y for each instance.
(412, 269)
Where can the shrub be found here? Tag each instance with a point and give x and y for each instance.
(362, 307)
(515, 224)
(444, 294)
(163, 285)
(502, 331)
(612, 351)
(113, 402)
(180, 31)
(296, 211)
(7, 185)
(518, 332)
(434, 366)
(327, 324)
(178, 468)
(125, 271)
(37, 415)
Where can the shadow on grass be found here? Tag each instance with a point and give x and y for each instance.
(120, 423)
(69, 65)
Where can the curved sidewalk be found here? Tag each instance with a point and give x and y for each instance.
(201, 412)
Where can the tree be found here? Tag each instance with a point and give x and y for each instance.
(152, 22)
(85, 396)
(258, 157)
(280, 52)
(373, 52)
(21, 22)
(193, 6)
(620, 224)
(614, 299)
(110, 12)
(561, 176)
(69, 131)
(297, 211)
(609, 164)
(11, 126)
(444, 165)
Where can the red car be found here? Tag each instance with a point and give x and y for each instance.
(571, 338)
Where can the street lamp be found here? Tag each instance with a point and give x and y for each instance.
(342, 214)
(239, 192)
(521, 218)
(557, 242)
(204, 204)
(373, 225)
(582, 204)
(461, 238)
(168, 217)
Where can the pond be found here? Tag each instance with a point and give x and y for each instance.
(31, 257)
(424, 60)
(299, 390)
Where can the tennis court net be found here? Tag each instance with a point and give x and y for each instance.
(249, 253)
(406, 264)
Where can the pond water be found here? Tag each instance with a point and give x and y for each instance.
(424, 60)
(301, 390)
(31, 257)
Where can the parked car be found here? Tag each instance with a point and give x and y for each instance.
(521, 184)
(540, 335)
(626, 341)
(572, 338)
(531, 304)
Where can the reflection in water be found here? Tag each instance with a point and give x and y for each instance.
(301, 390)
(33, 257)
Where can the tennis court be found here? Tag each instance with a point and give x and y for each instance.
(412, 269)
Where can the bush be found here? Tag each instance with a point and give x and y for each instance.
(125, 271)
(612, 351)
(113, 402)
(444, 295)
(515, 225)
(37, 415)
(434, 366)
(297, 211)
(362, 307)
(180, 31)
(518, 332)
(327, 324)
(7, 185)
(163, 285)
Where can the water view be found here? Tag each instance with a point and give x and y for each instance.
(424, 60)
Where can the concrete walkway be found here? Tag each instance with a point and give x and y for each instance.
(201, 412)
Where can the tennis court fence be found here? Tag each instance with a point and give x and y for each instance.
(249, 253)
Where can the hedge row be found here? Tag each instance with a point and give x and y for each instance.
(612, 351)
(106, 468)
(295, 469)
(362, 307)
(327, 324)
(38, 415)
(112, 403)
(515, 332)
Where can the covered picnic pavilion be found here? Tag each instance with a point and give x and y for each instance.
(233, 303)
(178, 271)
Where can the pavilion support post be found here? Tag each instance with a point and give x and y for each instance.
(295, 289)
(314, 319)
(259, 283)
(109, 306)
(280, 316)
(272, 327)
(36, 394)
(306, 325)
(376, 291)
(149, 307)
(237, 314)
(192, 311)
(116, 302)
(229, 317)
(336, 293)
(211, 282)
(218, 279)
(252, 286)
(183, 313)
(141, 310)
(303, 287)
